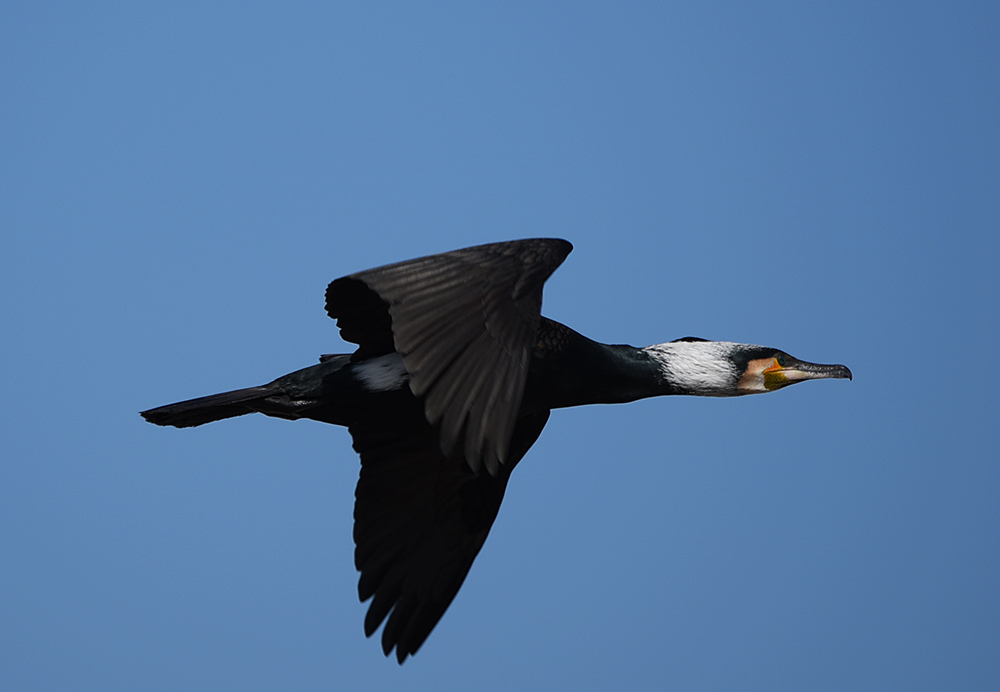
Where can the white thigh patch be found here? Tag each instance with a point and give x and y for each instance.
(382, 374)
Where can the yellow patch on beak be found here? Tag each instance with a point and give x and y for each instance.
(774, 377)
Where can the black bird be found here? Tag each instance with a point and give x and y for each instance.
(454, 377)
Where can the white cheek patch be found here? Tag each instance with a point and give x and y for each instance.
(382, 374)
(752, 381)
(700, 367)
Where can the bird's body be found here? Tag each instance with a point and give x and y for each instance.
(454, 377)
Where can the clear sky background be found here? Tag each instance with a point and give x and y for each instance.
(180, 181)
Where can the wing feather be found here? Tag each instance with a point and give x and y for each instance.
(420, 519)
(451, 316)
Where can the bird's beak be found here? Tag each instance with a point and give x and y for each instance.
(778, 376)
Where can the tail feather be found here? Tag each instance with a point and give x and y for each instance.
(206, 409)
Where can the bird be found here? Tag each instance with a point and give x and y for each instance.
(453, 379)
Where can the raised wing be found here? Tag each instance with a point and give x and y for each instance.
(420, 520)
(464, 323)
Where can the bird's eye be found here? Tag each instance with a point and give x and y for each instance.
(780, 357)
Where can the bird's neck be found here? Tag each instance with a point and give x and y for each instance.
(568, 369)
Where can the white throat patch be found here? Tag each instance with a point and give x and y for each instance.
(698, 367)
(382, 374)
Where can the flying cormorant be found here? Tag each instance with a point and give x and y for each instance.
(453, 379)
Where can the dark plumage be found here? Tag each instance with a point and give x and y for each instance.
(453, 379)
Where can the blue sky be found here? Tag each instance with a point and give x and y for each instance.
(179, 182)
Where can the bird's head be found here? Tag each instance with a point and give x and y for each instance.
(723, 368)
(768, 369)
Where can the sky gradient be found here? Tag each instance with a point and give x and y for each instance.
(178, 184)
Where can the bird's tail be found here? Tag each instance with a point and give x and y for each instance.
(185, 414)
